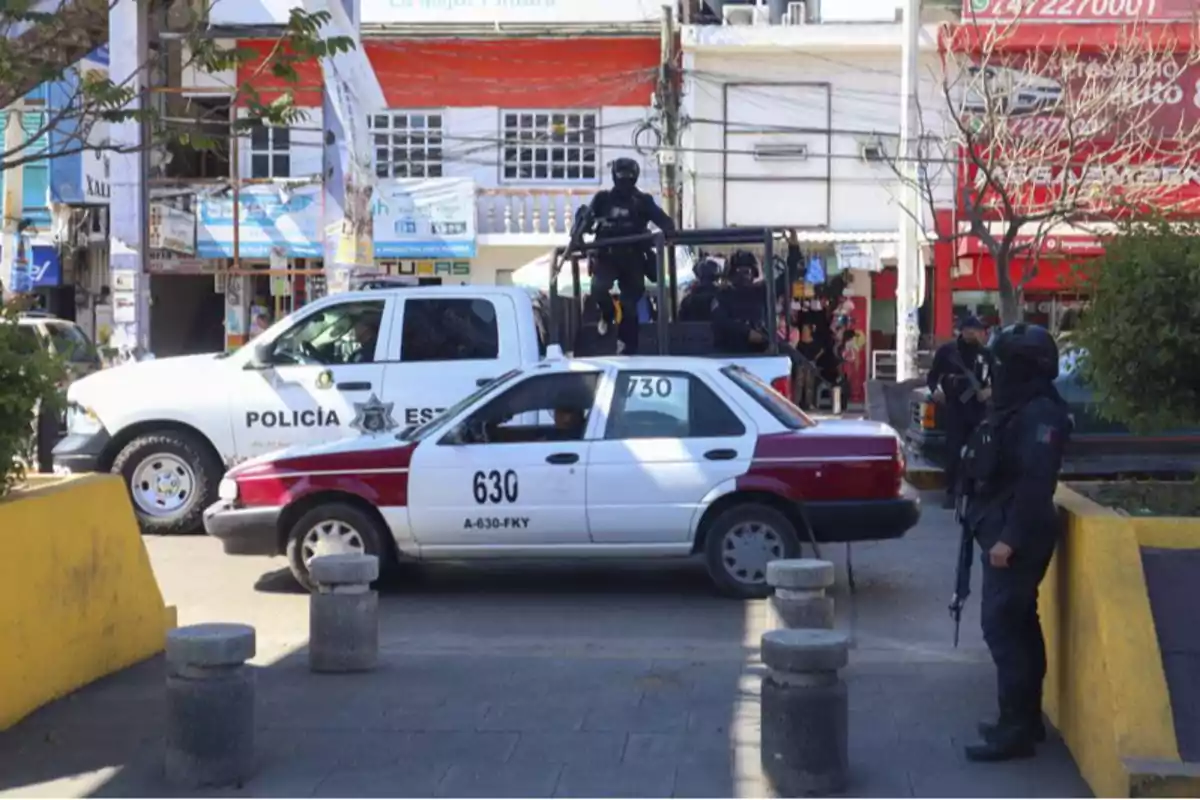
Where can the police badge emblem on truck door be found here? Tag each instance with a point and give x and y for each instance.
(325, 379)
(373, 416)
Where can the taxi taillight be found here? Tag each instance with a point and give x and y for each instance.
(900, 463)
(783, 385)
(928, 416)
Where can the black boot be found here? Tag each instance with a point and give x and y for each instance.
(1008, 742)
(1038, 730)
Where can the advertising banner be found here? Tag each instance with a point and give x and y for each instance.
(172, 229)
(269, 217)
(1077, 11)
(432, 218)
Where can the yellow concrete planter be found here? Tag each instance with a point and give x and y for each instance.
(78, 599)
(1105, 687)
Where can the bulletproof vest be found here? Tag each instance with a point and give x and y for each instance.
(619, 216)
(982, 456)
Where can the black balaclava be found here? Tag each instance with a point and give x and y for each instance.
(1016, 381)
(625, 174)
(743, 269)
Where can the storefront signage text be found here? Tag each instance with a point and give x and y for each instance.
(1072, 11)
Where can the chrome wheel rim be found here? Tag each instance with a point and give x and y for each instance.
(162, 485)
(331, 537)
(747, 549)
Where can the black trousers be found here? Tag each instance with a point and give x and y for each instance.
(1013, 632)
(960, 421)
(630, 278)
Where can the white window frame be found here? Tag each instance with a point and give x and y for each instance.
(541, 150)
(420, 159)
(271, 151)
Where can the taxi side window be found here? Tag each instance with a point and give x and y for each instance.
(450, 329)
(343, 334)
(544, 408)
(668, 405)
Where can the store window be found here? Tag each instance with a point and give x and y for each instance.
(270, 151)
(408, 144)
(550, 146)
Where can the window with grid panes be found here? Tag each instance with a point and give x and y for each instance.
(550, 146)
(270, 151)
(408, 144)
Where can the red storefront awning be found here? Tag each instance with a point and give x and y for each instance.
(976, 272)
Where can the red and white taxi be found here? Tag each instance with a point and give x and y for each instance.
(590, 458)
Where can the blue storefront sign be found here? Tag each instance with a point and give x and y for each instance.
(417, 218)
(42, 268)
(288, 219)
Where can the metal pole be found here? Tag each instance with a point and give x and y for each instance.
(909, 254)
(664, 325)
(11, 278)
(235, 168)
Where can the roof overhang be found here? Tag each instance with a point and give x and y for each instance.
(823, 37)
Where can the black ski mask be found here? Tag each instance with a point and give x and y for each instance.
(743, 269)
(625, 174)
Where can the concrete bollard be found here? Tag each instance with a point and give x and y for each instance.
(804, 712)
(343, 614)
(210, 705)
(799, 599)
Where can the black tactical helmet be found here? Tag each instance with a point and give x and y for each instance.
(743, 259)
(1030, 348)
(707, 271)
(625, 172)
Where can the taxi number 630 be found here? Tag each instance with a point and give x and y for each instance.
(495, 486)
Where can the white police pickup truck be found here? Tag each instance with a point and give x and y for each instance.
(366, 361)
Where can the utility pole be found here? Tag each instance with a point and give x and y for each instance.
(909, 254)
(668, 104)
(14, 275)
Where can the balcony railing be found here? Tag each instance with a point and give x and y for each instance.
(529, 211)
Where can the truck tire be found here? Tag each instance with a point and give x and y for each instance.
(740, 542)
(333, 528)
(172, 476)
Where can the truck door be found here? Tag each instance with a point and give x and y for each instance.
(324, 380)
(445, 347)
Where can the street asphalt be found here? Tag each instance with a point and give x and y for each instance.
(546, 680)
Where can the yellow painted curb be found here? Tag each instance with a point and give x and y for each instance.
(78, 598)
(1105, 687)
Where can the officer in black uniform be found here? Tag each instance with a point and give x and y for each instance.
(1011, 469)
(739, 312)
(697, 305)
(623, 210)
(962, 406)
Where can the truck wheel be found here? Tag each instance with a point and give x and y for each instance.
(172, 477)
(740, 542)
(333, 529)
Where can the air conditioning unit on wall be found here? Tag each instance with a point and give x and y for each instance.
(746, 15)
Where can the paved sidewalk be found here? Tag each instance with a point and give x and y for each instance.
(615, 681)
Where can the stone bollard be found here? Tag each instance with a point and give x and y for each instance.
(804, 712)
(210, 705)
(343, 614)
(799, 598)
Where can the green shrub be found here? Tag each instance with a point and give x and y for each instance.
(28, 374)
(1142, 329)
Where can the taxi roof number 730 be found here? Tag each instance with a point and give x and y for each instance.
(584, 458)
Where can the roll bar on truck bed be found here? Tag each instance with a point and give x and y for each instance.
(668, 290)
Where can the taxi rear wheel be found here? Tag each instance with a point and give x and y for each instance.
(740, 543)
(333, 529)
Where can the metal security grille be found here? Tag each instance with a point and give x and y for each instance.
(408, 144)
(550, 146)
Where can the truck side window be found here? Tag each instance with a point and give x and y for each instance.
(341, 334)
(450, 329)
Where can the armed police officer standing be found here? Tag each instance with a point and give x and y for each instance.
(1010, 470)
(620, 211)
(697, 305)
(741, 321)
(959, 379)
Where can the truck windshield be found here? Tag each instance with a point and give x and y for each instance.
(778, 406)
(418, 432)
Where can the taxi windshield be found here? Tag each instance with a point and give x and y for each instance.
(415, 433)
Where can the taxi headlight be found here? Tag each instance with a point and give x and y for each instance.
(81, 420)
(227, 489)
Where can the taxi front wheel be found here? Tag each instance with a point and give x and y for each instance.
(333, 529)
(740, 543)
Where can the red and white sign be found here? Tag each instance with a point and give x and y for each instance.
(1075, 11)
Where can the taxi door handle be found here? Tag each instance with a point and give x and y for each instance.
(562, 458)
(721, 455)
(354, 386)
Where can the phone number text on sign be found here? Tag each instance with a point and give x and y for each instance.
(1077, 10)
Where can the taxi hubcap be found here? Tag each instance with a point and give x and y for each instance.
(162, 485)
(331, 538)
(747, 550)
